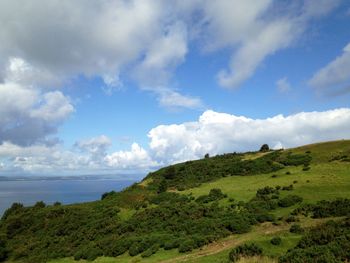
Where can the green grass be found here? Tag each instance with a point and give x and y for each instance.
(323, 179)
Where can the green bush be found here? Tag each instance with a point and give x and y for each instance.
(245, 250)
(186, 246)
(296, 229)
(276, 241)
(290, 200)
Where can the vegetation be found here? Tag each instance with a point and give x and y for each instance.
(246, 250)
(267, 198)
(327, 243)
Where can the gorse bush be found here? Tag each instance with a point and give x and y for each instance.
(245, 250)
(290, 200)
(276, 241)
(214, 195)
(329, 242)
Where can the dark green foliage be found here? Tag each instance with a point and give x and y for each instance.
(206, 156)
(162, 186)
(326, 243)
(15, 208)
(338, 207)
(169, 197)
(245, 250)
(290, 200)
(276, 241)
(57, 203)
(214, 195)
(39, 204)
(89, 253)
(296, 229)
(3, 251)
(288, 188)
(108, 194)
(295, 159)
(264, 148)
(291, 219)
(149, 252)
(306, 168)
(193, 173)
(341, 158)
(322, 209)
(186, 245)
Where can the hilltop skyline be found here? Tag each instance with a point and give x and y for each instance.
(129, 86)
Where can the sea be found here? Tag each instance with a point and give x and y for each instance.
(66, 191)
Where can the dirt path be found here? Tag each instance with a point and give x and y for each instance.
(234, 240)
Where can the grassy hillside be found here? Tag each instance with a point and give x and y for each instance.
(199, 211)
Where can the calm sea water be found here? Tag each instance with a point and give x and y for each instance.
(64, 191)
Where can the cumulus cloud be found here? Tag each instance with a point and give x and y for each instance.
(147, 40)
(91, 158)
(334, 77)
(29, 114)
(108, 39)
(137, 157)
(283, 85)
(217, 133)
(212, 133)
(95, 146)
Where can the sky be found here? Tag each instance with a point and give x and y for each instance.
(127, 86)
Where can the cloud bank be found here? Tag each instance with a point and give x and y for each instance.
(212, 133)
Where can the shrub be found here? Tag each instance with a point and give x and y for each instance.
(264, 148)
(39, 204)
(289, 200)
(296, 229)
(288, 188)
(276, 241)
(149, 252)
(186, 245)
(88, 253)
(15, 208)
(245, 250)
(306, 168)
(291, 219)
(107, 194)
(172, 243)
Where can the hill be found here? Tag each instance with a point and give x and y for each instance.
(248, 207)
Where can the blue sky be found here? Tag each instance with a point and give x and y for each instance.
(129, 86)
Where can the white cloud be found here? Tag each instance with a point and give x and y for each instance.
(217, 133)
(253, 30)
(136, 158)
(334, 76)
(95, 146)
(29, 114)
(212, 133)
(172, 99)
(145, 40)
(92, 158)
(283, 85)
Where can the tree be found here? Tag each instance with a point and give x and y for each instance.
(264, 148)
(206, 156)
(162, 186)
